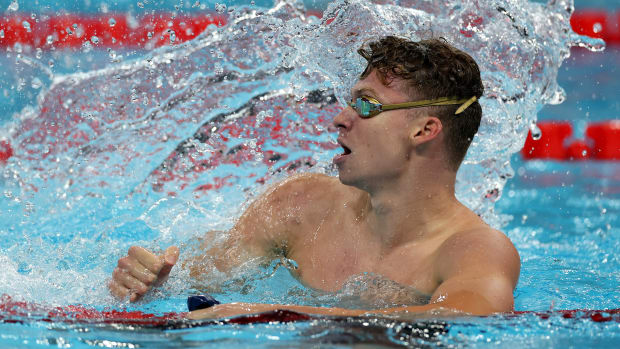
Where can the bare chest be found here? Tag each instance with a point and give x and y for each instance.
(334, 251)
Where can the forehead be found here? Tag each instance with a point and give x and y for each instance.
(394, 90)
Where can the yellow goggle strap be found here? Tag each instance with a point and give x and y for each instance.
(433, 102)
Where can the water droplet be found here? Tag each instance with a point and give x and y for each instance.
(87, 47)
(220, 8)
(584, 153)
(173, 36)
(1, 33)
(594, 45)
(260, 117)
(39, 53)
(218, 69)
(140, 5)
(26, 25)
(49, 39)
(558, 96)
(112, 22)
(14, 6)
(66, 104)
(149, 35)
(597, 27)
(536, 132)
(94, 40)
(36, 83)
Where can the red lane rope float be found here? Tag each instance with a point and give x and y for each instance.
(122, 30)
(602, 142)
(109, 30)
(14, 311)
(594, 315)
(597, 24)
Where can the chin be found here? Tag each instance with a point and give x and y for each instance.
(347, 179)
(344, 177)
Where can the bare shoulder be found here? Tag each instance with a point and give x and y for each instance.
(305, 181)
(478, 238)
(301, 189)
(291, 200)
(273, 219)
(479, 250)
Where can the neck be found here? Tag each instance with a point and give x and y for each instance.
(412, 207)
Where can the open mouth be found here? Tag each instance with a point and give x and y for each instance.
(346, 151)
(339, 158)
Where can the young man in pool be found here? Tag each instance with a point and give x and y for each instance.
(392, 211)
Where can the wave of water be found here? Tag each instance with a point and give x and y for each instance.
(162, 148)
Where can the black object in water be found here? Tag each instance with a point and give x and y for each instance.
(200, 302)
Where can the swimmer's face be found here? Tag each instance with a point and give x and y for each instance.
(374, 149)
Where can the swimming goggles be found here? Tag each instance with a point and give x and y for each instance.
(367, 107)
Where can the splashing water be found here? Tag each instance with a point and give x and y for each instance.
(168, 146)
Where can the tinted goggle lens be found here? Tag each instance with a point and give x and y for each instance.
(364, 107)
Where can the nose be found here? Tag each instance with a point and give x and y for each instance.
(344, 119)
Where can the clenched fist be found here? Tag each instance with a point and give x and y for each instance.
(140, 271)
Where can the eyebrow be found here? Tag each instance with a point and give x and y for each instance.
(364, 91)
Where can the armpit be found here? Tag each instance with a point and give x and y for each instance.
(279, 249)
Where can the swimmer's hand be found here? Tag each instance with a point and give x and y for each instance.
(140, 271)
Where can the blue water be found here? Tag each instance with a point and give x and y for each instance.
(61, 240)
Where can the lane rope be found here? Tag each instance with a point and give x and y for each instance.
(121, 30)
(21, 312)
(553, 140)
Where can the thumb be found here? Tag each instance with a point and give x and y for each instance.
(171, 255)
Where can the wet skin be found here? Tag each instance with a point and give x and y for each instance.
(391, 212)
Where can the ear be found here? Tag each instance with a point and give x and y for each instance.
(425, 129)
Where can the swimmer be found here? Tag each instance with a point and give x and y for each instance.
(392, 211)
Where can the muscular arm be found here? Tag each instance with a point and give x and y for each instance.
(478, 271)
(264, 228)
(259, 232)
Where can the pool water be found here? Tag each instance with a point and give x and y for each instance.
(166, 145)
